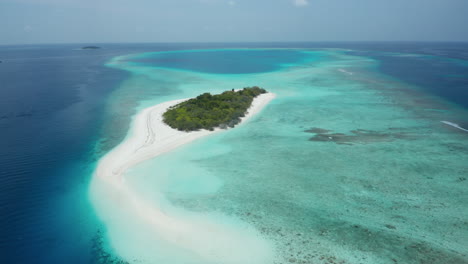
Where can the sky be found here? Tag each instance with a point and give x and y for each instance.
(106, 21)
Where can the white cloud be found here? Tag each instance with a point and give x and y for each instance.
(228, 2)
(301, 2)
(27, 28)
(208, 1)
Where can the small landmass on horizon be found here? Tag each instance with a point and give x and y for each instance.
(90, 47)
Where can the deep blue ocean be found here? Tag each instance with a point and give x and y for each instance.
(53, 111)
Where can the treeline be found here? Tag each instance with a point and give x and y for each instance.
(208, 111)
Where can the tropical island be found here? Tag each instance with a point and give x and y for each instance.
(208, 111)
(150, 137)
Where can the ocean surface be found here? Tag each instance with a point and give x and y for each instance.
(357, 160)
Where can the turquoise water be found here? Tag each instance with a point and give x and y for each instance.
(346, 165)
(222, 61)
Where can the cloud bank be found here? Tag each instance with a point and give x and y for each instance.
(300, 2)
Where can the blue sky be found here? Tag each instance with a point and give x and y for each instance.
(95, 21)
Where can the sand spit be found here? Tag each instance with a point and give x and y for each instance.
(454, 125)
(140, 231)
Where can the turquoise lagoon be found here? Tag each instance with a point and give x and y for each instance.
(345, 165)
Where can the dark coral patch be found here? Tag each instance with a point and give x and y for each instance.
(359, 136)
(317, 130)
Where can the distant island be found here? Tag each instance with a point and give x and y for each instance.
(90, 47)
(208, 111)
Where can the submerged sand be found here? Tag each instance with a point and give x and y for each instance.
(200, 238)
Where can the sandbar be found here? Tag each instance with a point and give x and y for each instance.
(208, 239)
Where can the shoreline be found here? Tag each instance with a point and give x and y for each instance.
(152, 137)
(203, 236)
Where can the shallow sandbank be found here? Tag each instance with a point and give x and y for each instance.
(121, 208)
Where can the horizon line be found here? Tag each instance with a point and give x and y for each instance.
(241, 42)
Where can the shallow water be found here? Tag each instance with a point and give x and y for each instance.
(346, 165)
(350, 163)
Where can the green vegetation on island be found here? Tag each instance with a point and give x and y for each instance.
(208, 111)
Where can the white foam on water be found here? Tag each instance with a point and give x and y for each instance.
(454, 125)
(345, 71)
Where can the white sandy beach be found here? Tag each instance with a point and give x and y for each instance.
(211, 241)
